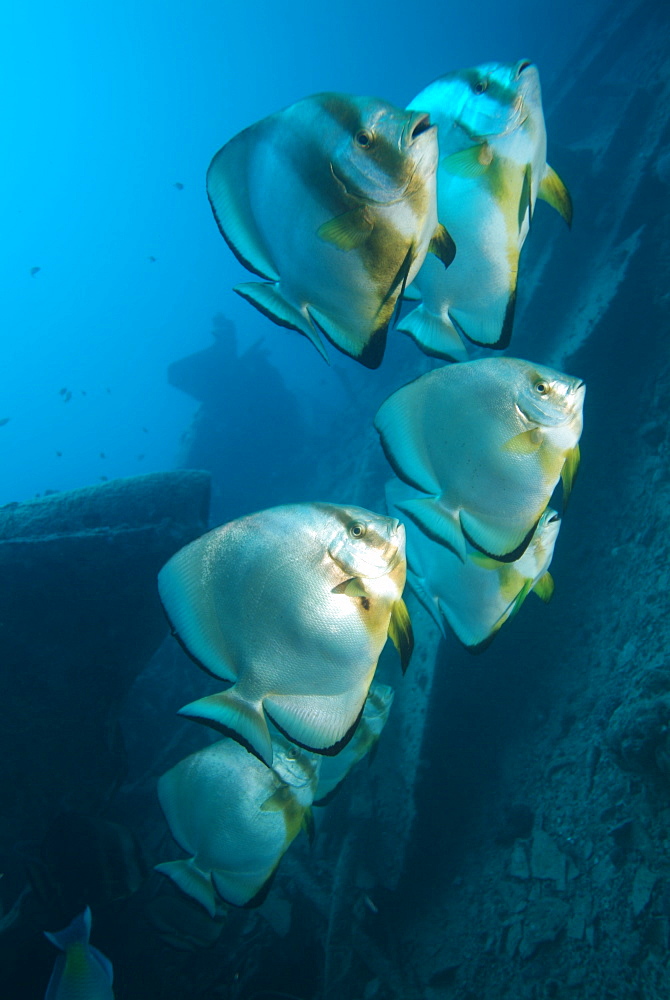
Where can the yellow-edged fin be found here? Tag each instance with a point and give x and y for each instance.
(554, 192)
(400, 632)
(471, 162)
(347, 231)
(544, 588)
(569, 473)
(525, 443)
(442, 245)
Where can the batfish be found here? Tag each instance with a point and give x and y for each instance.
(493, 149)
(81, 971)
(235, 817)
(485, 443)
(333, 202)
(334, 770)
(294, 605)
(476, 596)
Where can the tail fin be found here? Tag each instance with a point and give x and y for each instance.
(435, 336)
(77, 932)
(192, 880)
(236, 717)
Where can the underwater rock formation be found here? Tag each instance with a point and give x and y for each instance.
(79, 620)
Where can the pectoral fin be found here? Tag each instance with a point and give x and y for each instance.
(283, 800)
(569, 473)
(442, 245)
(554, 192)
(400, 632)
(268, 299)
(236, 717)
(526, 443)
(348, 231)
(352, 588)
(544, 587)
(470, 163)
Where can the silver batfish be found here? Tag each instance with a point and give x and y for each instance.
(476, 596)
(235, 817)
(294, 605)
(485, 442)
(493, 149)
(332, 201)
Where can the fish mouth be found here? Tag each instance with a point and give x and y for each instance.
(521, 66)
(417, 126)
(420, 138)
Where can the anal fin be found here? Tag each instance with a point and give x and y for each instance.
(495, 539)
(490, 327)
(320, 723)
(367, 346)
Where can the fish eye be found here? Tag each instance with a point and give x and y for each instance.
(357, 530)
(363, 138)
(541, 387)
(481, 86)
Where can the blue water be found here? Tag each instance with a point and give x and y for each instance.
(105, 110)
